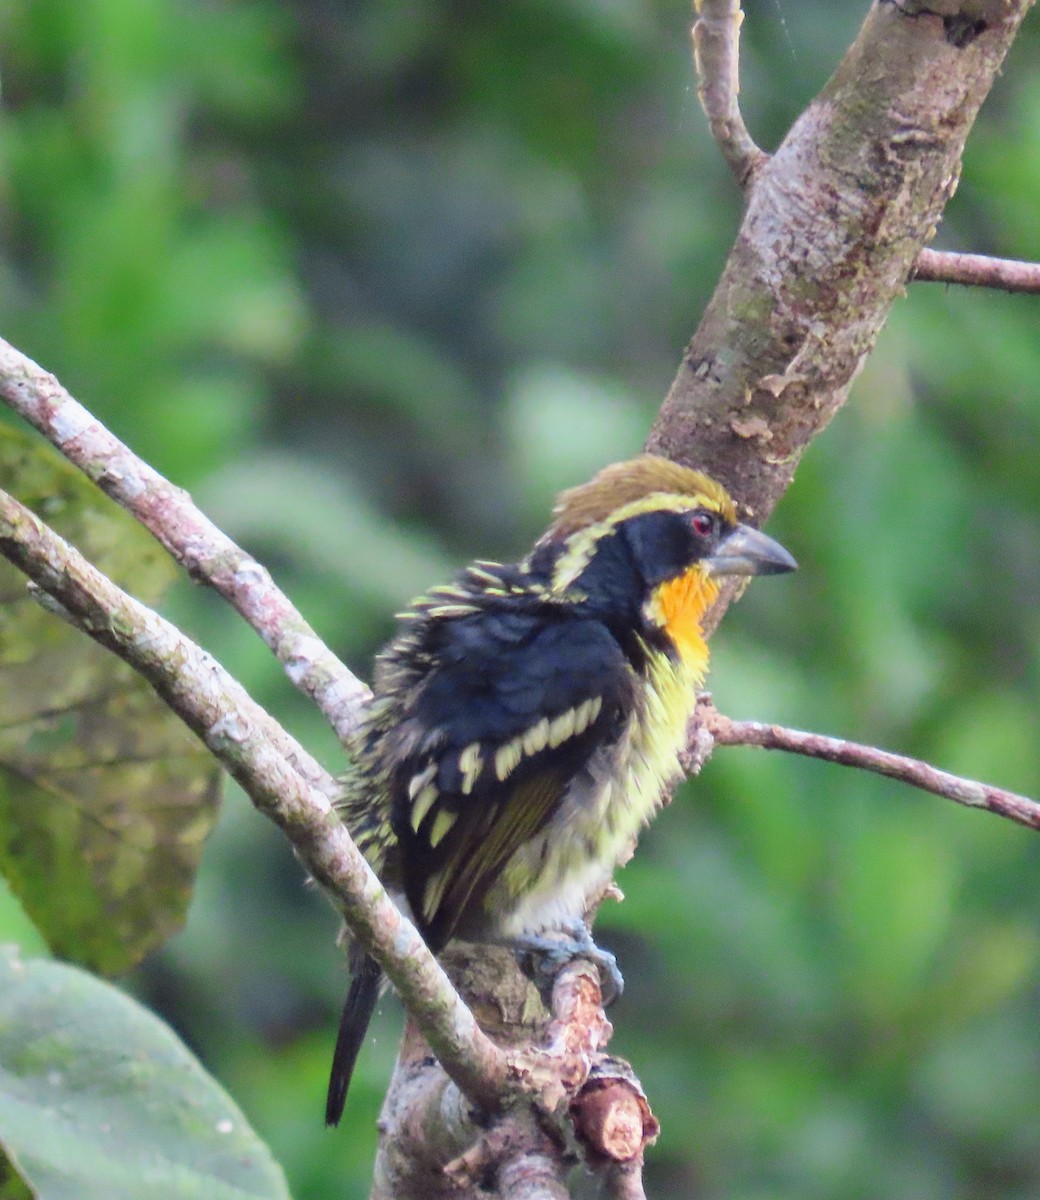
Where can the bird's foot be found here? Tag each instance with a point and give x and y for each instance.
(543, 955)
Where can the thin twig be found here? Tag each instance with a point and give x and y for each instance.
(624, 1181)
(242, 737)
(195, 542)
(976, 270)
(716, 57)
(727, 732)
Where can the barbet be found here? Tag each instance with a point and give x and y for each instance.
(527, 720)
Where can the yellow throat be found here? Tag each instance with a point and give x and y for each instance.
(677, 606)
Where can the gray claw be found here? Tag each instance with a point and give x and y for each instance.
(543, 956)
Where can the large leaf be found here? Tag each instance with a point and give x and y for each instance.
(12, 1185)
(98, 1098)
(105, 798)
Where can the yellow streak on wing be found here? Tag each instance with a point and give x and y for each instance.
(586, 713)
(573, 855)
(561, 728)
(442, 824)
(677, 606)
(451, 610)
(534, 739)
(507, 759)
(420, 780)
(546, 733)
(423, 803)
(433, 894)
(470, 764)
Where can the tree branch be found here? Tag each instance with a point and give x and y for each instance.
(205, 552)
(283, 781)
(625, 1182)
(726, 732)
(834, 223)
(253, 748)
(716, 57)
(976, 270)
(433, 1149)
(533, 1176)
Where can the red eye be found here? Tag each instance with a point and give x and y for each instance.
(703, 524)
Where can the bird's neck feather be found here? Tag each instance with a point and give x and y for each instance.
(677, 607)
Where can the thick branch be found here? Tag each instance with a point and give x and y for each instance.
(167, 512)
(835, 221)
(716, 55)
(727, 732)
(976, 270)
(431, 1148)
(533, 1176)
(257, 753)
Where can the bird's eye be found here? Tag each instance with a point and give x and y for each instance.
(703, 524)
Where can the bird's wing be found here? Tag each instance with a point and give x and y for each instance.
(488, 746)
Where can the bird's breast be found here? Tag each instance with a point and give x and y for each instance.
(553, 877)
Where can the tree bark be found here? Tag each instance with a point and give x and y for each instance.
(834, 224)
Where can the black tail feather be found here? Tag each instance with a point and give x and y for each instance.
(353, 1025)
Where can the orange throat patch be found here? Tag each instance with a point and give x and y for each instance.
(677, 606)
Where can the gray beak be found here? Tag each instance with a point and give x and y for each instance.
(746, 551)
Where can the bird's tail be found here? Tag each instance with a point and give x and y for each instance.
(353, 1025)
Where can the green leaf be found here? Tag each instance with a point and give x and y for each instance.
(105, 797)
(98, 1098)
(12, 1185)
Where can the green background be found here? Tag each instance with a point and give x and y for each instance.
(374, 279)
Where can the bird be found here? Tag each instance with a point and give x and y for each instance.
(527, 720)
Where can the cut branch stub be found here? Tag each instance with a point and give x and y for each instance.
(611, 1114)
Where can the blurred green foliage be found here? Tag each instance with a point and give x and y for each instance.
(99, 1098)
(106, 798)
(375, 279)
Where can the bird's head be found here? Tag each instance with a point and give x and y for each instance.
(645, 543)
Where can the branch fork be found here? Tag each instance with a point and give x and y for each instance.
(716, 56)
